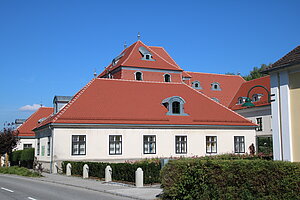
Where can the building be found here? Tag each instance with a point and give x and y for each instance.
(25, 133)
(139, 107)
(285, 86)
(260, 113)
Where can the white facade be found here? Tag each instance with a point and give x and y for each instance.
(283, 141)
(25, 143)
(97, 143)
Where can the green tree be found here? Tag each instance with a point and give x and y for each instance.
(256, 72)
(8, 141)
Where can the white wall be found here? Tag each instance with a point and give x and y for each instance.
(97, 142)
(23, 141)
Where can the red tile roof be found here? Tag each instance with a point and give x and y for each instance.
(132, 58)
(112, 101)
(242, 92)
(26, 128)
(292, 58)
(229, 85)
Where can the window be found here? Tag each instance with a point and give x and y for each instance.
(48, 147)
(256, 97)
(27, 146)
(239, 144)
(211, 144)
(180, 144)
(78, 144)
(146, 54)
(115, 144)
(241, 100)
(167, 77)
(174, 105)
(215, 86)
(196, 85)
(138, 76)
(38, 147)
(149, 144)
(259, 122)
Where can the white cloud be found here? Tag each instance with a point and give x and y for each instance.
(34, 107)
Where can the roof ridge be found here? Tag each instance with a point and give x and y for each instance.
(136, 81)
(62, 111)
(256, 79)
(214, 74)
(130, 52)
(171, 58)
(166, 60)
(218, 103)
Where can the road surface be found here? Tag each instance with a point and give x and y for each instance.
(19, 188)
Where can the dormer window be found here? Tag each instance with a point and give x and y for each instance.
(215, 86)
(146, 54)
(138, 76)
(256, 97)
(241, 100)
(196, 85)
(167, 77)
(174, 105)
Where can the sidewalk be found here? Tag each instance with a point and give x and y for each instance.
(119, 189)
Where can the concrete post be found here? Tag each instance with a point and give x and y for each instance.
(55, 168)
(69, 169)
(139, 177)
(108, 174)
(85, 171)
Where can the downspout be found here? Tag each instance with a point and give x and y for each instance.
(51, 154)
(280, 121)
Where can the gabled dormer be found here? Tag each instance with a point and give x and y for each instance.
(59, 102)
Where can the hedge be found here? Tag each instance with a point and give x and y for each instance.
(22, 158)
(120, 171)
(230, 179)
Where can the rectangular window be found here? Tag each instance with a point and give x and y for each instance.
(38, 147)
(48, 147)
(239, 144)
(27, 146)
(78, 144)
(211, 144)
(259, 122)
(180, 144)
(115, 144)
(149, 144)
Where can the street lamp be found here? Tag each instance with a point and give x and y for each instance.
(248, 101)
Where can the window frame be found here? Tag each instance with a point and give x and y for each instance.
(217, 85)
(38, 147)
(135, 76)
(239, 142)
(48, 146)
(181, 144)
(149, 143)
(210, 142)
(27, 147)
(115, 143)
(78, 143)
(259, 121)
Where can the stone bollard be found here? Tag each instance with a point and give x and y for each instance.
(69, 169)
(108, 174)
(139, 177)
(85, 171)
(55, 168)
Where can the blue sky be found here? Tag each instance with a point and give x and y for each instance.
(50, 48)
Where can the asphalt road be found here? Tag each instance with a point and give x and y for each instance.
(19, 188)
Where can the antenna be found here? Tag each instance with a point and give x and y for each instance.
(125, 45)
(139, 36)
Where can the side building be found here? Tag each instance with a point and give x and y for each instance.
(285, 85)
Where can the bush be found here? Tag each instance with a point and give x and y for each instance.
(121, 171)
(22, 158)
(18, 170)
(230, 179)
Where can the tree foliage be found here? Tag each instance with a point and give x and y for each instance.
(255, 73)
(8, 141)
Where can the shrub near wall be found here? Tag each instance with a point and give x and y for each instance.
(234, 179)
(121, 171)
(23, 158)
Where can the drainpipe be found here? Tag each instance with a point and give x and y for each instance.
(280, 121)
(51, 153)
